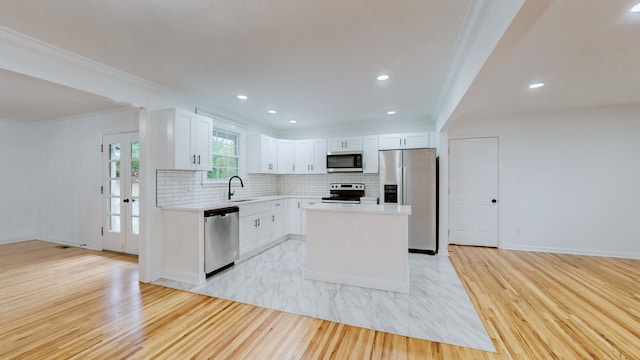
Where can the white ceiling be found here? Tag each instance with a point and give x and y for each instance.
(587, 52)
(316, 61)
(312, 61)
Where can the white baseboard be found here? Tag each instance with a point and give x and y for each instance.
(10, 240)
(571, 251)
(16, 239)
(378, 284)
(260, 249)
(183, 276)
(69, 243)
(297, 237)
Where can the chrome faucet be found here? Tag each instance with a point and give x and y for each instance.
(241, 184)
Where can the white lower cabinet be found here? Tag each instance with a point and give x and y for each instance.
(261, 226)
(297, 216)
(294, 216)
(254, 231)
(255, 226)
(277, 219)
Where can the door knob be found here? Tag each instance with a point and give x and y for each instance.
(494, 201)
(125, 200)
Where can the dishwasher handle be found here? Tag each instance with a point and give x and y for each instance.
(221, 212)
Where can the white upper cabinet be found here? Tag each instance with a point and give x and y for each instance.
(303, 156)
(345, 144)
(311, 156)
(202, 142)
(286, 157)
(182, 140)
(263, 154)
(404, 141)
(370, 155)
(319, 165)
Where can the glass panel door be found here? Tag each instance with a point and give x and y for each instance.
(114, 192)
(122, 193)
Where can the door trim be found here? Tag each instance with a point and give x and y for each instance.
(125, 222)
(450, 181)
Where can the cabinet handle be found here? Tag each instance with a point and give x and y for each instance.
(194, 158)
(405, 141)
(293, 167)
(255, 222)
(312, 203)
(273, 218)
(311, 167)
(277, 204)
(298, 204)
(258, 222)
(198, 159)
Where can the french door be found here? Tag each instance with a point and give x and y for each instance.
(473, 192)
(121, 193)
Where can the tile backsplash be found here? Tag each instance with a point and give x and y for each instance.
(318, 185)
(183, 187)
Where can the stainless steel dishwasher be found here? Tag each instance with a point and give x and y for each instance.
(221, 239)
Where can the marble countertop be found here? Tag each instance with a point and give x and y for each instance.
(199, 207)
(362, 208)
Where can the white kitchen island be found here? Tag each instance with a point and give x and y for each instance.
(359, 245)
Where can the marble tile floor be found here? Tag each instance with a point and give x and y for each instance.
(437, 307)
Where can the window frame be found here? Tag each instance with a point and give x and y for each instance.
(223, 127)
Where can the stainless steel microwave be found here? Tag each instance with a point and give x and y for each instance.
(344, 161)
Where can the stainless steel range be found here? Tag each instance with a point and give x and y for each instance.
(344, 193)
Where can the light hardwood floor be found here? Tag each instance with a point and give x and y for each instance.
(82, 304)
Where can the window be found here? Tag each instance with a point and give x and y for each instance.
(225, 155)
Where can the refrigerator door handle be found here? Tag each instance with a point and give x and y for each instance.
(404, 185)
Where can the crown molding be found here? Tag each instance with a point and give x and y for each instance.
(32, 57)
(56, 57)
(473, 21)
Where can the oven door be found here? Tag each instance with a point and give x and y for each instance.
(344, 162)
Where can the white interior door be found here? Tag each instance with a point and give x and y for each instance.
(121, 219)
(473, 192)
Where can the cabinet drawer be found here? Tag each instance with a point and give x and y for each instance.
(252, 209)
(277, 205)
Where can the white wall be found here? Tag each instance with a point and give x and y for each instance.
(68, 173)
(569, 181)
(17, 164)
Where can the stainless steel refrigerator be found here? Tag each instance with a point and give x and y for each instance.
(409, 177)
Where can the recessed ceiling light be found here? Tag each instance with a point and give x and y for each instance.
(636, 8)
(383, 77)
(292, 121)
(242, 97)
(391, 112)
(272, 111)
(536, 85)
